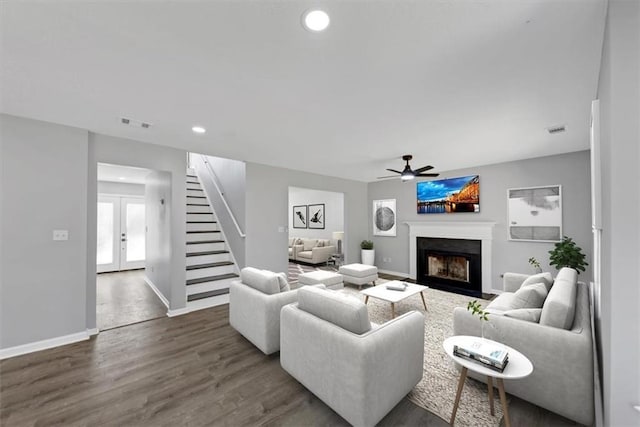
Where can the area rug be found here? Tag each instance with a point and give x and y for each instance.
(437, 390)
(294, 270)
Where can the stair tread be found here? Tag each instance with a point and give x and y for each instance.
(204, 213)
(211, 278)
(196, 197)
(205, 241)
(202, 222)
(206, 253)
(192, 176)
(195, 189)
(209, 265)
(207, 294)
(197, 204)
(203, 231)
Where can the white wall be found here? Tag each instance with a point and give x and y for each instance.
(267, 213)
(44, 187)
(619, 332)
(569, 170)
(333, 211)
(120, 188)
(158, 237)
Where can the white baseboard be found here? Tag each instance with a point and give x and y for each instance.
(153, 287)
(393, 273)
(496, 291)
(93, 331)
(177, 312)
(19, 350)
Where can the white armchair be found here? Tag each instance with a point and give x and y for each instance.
(254, 306)
(360, 371)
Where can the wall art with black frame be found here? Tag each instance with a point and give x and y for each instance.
(300, 216)
(316, 218)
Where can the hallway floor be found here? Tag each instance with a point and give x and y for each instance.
(124, 298)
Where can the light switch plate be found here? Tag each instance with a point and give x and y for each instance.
(60, 234)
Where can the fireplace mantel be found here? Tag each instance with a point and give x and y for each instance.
(472, 230)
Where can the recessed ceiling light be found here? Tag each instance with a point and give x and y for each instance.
(315, 20)
(198, 129)
(122, 178)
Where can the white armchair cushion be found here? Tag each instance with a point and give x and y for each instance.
(261, 280)
(309, 244)
(531, 296)
(526, 314)
(282, 282)
(348, 313)
(560, 306)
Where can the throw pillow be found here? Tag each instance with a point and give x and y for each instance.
(530, 296)
(261, 280)
(282, 281)
(526, 314)
(309, 244)
(320, 243)
(545, 278)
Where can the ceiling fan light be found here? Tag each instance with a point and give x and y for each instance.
(407, 176)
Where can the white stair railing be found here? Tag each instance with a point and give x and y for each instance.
(214, 179)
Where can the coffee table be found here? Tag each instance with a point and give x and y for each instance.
(518, 367)
(389, 295)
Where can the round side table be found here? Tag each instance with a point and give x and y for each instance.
(518, 367)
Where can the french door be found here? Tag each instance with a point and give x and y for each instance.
(121, 233)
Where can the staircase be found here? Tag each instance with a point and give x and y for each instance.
(210, 266)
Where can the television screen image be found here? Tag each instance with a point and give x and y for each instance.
(449, 195)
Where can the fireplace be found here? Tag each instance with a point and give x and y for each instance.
(450, 264)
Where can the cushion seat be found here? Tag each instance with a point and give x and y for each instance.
(329, 279)
(359, 274)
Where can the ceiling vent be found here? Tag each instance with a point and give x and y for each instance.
(134, 123)
(556, 129)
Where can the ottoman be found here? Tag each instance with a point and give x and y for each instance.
(359, 274)
(330, 279)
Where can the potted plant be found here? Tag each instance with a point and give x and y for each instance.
(535, 264)
(368, 253)
(567, 254)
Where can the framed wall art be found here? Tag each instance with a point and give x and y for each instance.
(535, 213)
(316, 216)
(450, 195)
(384, 217)
(300, 216)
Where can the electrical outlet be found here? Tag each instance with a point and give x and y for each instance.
(60, 234)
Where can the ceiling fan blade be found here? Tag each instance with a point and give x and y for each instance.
(423, 169)
(387, 177)
(393, 170)
(427, 174)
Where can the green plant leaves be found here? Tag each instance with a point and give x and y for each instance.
(567, 254)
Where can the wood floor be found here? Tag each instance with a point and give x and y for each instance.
(124, 298)
(187, 370)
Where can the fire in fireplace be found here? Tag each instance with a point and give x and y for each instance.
(448, 267)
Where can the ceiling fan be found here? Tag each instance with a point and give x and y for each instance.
(407, 173)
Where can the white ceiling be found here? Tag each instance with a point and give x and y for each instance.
(123, 174)
(456, 83)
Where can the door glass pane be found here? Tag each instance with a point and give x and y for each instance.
(135, 232)
(104, 254)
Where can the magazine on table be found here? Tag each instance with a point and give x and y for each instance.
(398, 286)
(488, 353)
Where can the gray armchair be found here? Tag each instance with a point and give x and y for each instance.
(360, 370)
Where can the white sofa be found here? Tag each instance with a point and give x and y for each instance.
(359, 369)
(556, 338)
(311, 251)
(254, 306)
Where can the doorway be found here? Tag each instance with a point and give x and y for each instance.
(121, 233)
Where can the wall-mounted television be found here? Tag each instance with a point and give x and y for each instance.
(449, 195)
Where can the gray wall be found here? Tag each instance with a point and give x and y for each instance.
(267, 213)
(126, 152)
(619, 332)
(333, 212)
(569, 170)
(44, 187)
(158, 238)
(226, 171)
(120, 188)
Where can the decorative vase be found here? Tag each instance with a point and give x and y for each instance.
(368, 256)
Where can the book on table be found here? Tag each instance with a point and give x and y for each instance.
(489, 354)
(400, 286)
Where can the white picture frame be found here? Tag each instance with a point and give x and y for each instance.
(535, 214)
(384, 217)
